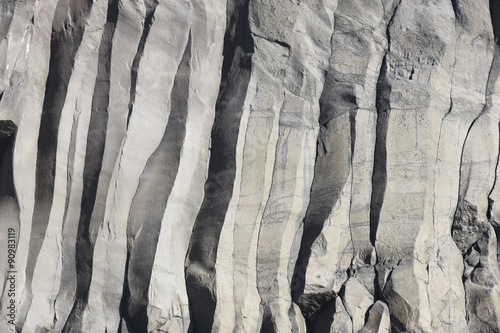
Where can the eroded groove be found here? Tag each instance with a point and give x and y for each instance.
(65, 40)
(150, 200)
(202, 251)
(148, 22)
(379, 177)
(92, 168)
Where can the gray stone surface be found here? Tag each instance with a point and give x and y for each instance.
(250, 165)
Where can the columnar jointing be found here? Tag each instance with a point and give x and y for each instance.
(93, 161)
(200, 259)
(251, 165)
(67, 32)
(149, 202)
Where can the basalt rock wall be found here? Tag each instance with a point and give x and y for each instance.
(249, 166)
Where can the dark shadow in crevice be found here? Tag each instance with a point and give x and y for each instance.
(379, 176)
(148, 22)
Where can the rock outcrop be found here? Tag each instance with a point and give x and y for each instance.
(249, 166)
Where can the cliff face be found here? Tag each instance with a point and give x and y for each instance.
(249, 165)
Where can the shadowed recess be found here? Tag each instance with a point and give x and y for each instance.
(65, 41)
(383, 105)
(150, 200)
(495, 18)
(321, 320)
(200, 259)
(8, 132)
(267, 323)
(96, 138)
(379, 176)
(148, 22)
(337, 102)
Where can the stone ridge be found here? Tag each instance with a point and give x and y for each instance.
(249, 166)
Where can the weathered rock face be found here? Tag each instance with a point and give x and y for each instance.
(249, 166)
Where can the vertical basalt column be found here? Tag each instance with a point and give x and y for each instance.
(302, 77)
(202, 252)
(168, 305)
(131, 33)
(163, 50)
(404, 236)
(337, 222)
(333, 153)
(369, 52)
(472, 59)
(150, 200)
(473, 226)
(92, 168)
(67, 30)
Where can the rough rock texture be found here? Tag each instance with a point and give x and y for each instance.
(249, 166)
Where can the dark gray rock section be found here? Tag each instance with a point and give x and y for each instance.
(96, 139)
(202, 252)
(467, 229)
(66, 38)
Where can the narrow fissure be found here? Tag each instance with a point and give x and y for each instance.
(148, 22)
(379, 176)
